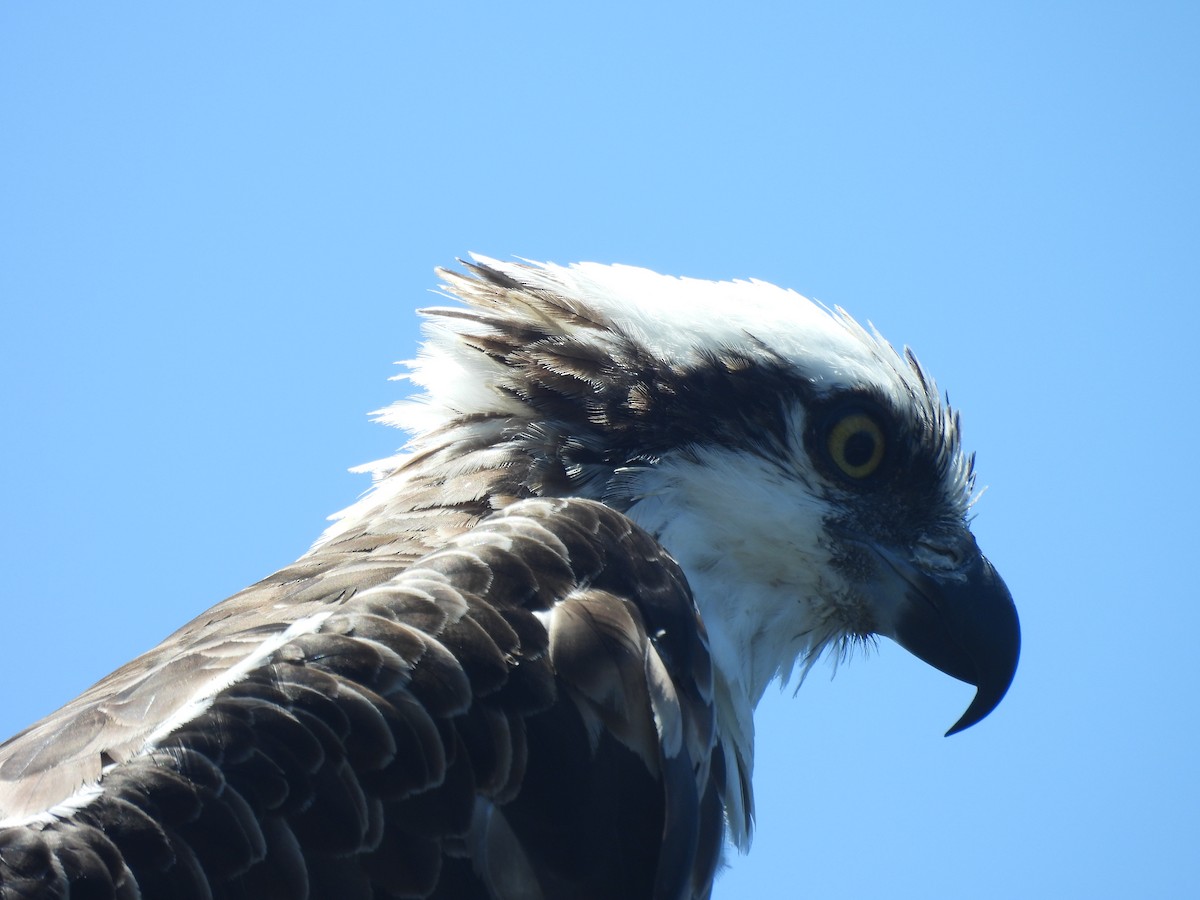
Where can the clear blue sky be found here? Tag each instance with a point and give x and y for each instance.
(216, 221)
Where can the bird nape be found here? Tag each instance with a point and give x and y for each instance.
(525, 664)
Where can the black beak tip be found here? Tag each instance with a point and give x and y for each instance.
(979, 709)
(997, 647)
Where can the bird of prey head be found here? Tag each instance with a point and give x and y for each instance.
(525, 664)
(807, 477)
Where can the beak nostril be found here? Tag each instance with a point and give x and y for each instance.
(940, 554)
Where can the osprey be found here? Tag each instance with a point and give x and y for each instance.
(525, 664)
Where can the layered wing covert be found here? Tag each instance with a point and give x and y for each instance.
(524, 713)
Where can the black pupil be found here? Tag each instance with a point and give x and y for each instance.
(859, 449)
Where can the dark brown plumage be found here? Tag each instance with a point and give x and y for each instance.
(350, 761)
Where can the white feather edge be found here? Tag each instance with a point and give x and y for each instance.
(195, 705)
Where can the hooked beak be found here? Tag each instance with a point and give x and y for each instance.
(948, 606)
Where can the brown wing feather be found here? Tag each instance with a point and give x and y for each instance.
(525, 713)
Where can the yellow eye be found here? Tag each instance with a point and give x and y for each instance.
(856, 445)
